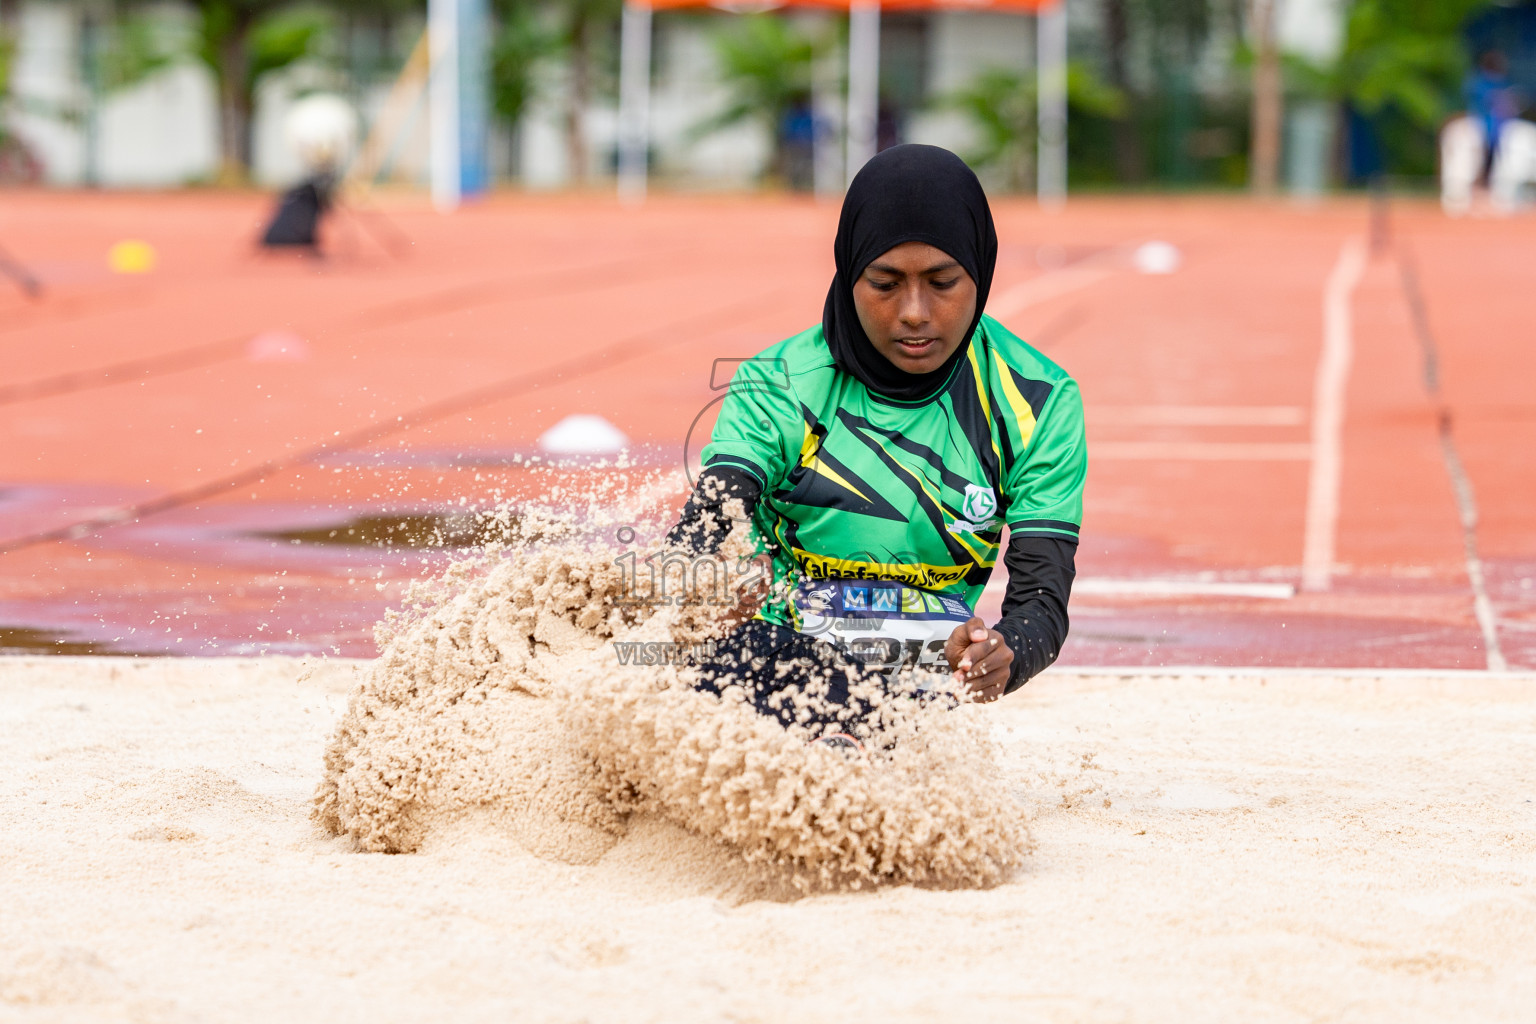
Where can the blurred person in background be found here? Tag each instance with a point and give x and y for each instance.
(1492, 102)
(321, 129)
(797, 144)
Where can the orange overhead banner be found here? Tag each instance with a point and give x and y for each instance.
(750, 7)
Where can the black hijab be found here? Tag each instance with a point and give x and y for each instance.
(907, 193)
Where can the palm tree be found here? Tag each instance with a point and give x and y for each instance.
(1268, 99)
(584, 25)
(524, 39)
(1404, 55)
(1001, 104)
(767, 63)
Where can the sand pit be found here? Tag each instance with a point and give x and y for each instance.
(1207, 848)
(500, 691)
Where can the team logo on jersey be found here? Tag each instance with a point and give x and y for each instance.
(980, 503)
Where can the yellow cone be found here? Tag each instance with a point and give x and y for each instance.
(131, 256)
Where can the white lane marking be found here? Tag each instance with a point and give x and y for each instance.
(1466, 506)
(1198, 415)
(1062, 673)
(1180, 588)
(1199, 451)
(1151, 586)
(1320, 540)
(1046, 287)
(1461, 485)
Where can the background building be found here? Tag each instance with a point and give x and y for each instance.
(130, 94)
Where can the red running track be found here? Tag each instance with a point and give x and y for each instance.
(186, 415)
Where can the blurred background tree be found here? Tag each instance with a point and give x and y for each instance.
(768, 65)
(16, 162)
(527, 40)
(240, 42)
(1166, 130)
(1002, 104)
(1400, 77)
(1162, 93)
(587, 31)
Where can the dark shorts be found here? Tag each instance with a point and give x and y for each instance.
(774, 664)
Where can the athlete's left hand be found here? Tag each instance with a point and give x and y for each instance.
(981, 659)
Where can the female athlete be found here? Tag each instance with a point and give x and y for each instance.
(881, 453)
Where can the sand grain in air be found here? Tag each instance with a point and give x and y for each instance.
(502, 694)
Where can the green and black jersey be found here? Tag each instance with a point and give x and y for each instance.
(856, 485)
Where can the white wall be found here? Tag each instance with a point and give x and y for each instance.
(163, 131)
(962, 44)
(46, 74)
(965, 42)
(687, 94)
(1313, 29)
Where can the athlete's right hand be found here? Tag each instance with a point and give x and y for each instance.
(980, 658)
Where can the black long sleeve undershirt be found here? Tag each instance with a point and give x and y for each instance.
(1035, 622)
(1040, 570)
(702, 527)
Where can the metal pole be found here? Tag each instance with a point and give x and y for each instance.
(1268, 101)
(90, 68)
(634, 101)
(1051, 66)
(863, 82)
(443, 103)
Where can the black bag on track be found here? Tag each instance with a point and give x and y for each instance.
(298, 214)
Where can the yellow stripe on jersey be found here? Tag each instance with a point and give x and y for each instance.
(1021, 410)
(981, 396)
(948, 517)
(809, 459)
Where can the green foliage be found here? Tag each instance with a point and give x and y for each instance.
(1091, 95)
(218, 21)
(1002, 105)
(523, 42)
(767, 63)
(268, 35)
(1177, 29)
(287, 36)
(141, 44)
(1405, 55)
(7, 56)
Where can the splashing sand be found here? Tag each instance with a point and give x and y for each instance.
(499, 694)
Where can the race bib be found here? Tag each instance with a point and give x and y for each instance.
(881, 625)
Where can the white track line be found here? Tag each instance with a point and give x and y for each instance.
(1056, 283)
(1200, 451)
(1198, 415)
(1328, 399)
(1152, 587)
(1461, 485)
(1452, 675)
(1466, 506)
(1044, 288)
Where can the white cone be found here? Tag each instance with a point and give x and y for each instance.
(1158, 258)
(583, 434)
